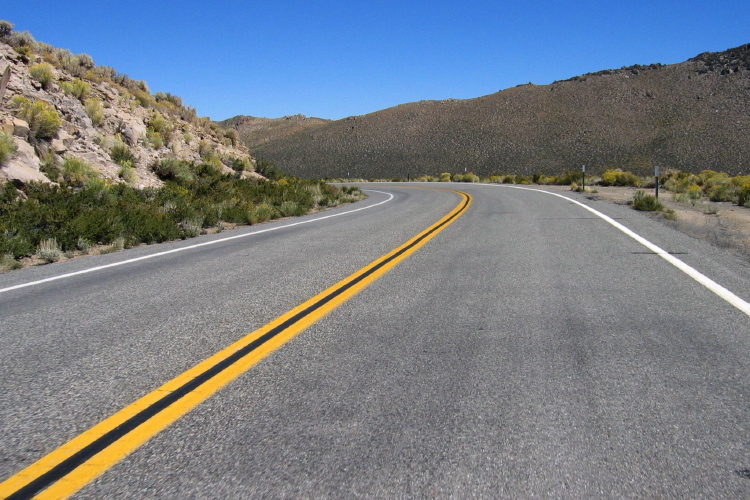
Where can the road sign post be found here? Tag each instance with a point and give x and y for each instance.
(583, 178)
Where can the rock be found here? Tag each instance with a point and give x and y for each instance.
(65, 137)
(132, 131)
(58, 146)
(25, 154)
(24, 167)
(6, 125)
(20, 128)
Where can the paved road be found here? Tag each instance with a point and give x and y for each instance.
(529, 350)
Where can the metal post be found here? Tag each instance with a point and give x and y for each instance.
(583, 178)
(656, 176)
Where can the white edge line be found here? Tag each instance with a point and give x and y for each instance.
(704, 280)
(197, 245)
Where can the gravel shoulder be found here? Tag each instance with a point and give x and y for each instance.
(722, 224)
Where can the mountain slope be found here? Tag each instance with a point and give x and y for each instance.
(254, 131)
(693, 115)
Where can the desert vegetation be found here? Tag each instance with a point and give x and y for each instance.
(52, 221)
(697, 189)
(92, 161)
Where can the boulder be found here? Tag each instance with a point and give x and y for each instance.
(132, 131)
(20, 128)
(6, 125)
(24, 167)
(58, 146)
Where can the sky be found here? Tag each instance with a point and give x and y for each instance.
(334, 59)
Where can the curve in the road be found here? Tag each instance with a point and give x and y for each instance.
(704, 280)
(80, 461)
(197, 245)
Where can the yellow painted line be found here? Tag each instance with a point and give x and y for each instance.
(78, 462)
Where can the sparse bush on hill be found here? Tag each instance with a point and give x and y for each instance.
(77, 88)
(94, 110)
(77, 173)
(121, 154)
(6, 28)
(7, 148)
(42, 73)
(43, 119)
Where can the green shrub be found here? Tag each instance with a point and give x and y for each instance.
(204, 148)
(77, 173)
(646, 202)
(9, 263)
(145, 99)
(42, 117)
(83, 245)
(6, 29)
(233, 136)
(743, 195)
(719, 187)
(12, 242)
(154, 139)
(8, 148)
(619, 178)
(174, 169)
(192, 227)
(128, 173)
(49, 251)
(94, 110)
(121, 154)
(42, 73)
(290, 208)
(240, 165)
(267, 169)
(468, 177)
(19, 39)
(260, 213)
(77, 88)
(681, 182)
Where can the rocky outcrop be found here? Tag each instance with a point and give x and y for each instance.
(109, 112)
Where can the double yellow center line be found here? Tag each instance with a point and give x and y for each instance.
(84, 458)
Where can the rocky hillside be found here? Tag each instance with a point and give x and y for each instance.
(59, 105)
(254, 131)
(692, 116)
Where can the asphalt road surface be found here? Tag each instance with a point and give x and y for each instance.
(529, 350)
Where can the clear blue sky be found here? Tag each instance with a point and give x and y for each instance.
(335, 59)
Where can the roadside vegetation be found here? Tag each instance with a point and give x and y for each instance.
(697, 189)
(84, 213)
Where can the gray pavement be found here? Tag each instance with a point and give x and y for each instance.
(530, 350)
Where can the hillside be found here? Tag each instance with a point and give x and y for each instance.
(692, 116)
(59, 105)
(254, 131)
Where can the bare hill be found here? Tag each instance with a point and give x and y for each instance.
(693, 115)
